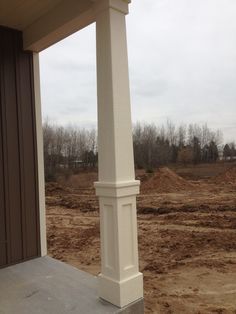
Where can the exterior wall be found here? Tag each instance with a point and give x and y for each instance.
(19, 212)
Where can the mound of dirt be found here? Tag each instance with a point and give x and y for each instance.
(226, 178)
(54, 188)
(83, 180)
(164, 180)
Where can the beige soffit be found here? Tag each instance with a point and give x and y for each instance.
(45, 22)
(19, 14)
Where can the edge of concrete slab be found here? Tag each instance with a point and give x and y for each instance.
(51, 286)
(136, 307)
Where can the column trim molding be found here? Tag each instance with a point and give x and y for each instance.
(117, 189)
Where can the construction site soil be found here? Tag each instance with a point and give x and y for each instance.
(186, 234)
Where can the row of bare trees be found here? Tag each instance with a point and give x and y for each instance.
(68, 149)
(193, 143)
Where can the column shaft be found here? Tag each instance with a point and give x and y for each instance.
(120, 281)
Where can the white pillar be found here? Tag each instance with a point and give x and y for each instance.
(120, 281)
(39, 139)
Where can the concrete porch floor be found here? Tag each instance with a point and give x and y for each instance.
(47, 286)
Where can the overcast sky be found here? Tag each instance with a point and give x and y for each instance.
(182, 59)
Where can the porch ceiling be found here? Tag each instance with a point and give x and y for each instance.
(19, 14)
(45, 22)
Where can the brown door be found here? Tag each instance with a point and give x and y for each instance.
(19, 213)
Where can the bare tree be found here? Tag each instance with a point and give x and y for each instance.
(70, 147)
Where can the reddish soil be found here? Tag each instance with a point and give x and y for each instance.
(163, 180)
(226, 178)
(187, 236)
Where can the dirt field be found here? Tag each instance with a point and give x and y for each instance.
(187, 235)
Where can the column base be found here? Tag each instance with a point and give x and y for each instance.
(121, 293)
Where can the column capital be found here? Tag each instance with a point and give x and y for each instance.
(118, 5)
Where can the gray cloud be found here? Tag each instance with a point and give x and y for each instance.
(182, 58)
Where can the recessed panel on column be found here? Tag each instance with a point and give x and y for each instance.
(109, 237)
(126, 236)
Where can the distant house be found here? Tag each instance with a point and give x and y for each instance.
(28, 27)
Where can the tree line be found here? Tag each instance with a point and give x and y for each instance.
(193, 143)
(68, 148)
